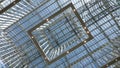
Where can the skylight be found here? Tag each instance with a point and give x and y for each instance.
(60, 34)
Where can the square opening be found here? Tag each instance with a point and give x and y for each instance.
(60, 34)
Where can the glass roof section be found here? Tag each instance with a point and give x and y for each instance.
(101, 17)
(5, 3)
(16, 12)
(60, 33)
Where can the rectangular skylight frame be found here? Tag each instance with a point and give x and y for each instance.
(52, 16)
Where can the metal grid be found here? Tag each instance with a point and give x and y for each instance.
(78, 37)
(102, 20)
(14, 10)
(10, 54)
(7, 4)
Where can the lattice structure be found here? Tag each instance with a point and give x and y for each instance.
(10, 54)
(60, 33)
(101, 18)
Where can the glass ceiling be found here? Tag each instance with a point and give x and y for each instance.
(101, 17)
(60, 33)
(18, 11)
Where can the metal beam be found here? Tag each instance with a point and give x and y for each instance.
(9, 6)
(112, 62)
(52, 16)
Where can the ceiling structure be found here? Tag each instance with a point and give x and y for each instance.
(33, 31)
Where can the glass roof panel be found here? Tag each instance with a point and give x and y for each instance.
(100, 16)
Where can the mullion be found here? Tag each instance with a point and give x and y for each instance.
(61, 31)
(64, 35)
(67, 37)
(70, 24)
(74, 28)
(57, 33)
(59, 25)
(99, 26)
(65, 28)
(53, 37)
